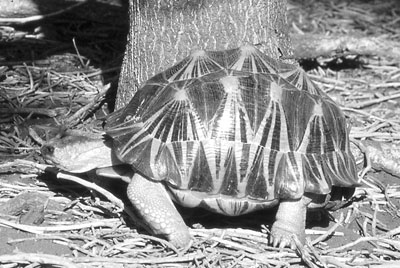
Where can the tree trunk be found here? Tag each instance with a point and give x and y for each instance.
(163, 32)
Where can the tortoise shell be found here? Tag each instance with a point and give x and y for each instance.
(222, 127)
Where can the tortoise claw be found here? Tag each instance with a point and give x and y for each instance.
(289, 223)
(281, 238)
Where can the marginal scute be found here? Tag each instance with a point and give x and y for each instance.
(257, 184)
(201, 177)
(313, 170)
(290, 178)
(235, 131)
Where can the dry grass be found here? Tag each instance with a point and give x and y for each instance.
(57, 74)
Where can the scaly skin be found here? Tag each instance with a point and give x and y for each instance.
(153, 204)
(290, 220)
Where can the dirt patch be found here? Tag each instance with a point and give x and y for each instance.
(16, 241)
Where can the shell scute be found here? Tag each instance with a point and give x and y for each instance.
(298, 77)
(289, 177)
(196, 65)
(316, 172)
(249, 59)
(257, 184)
(201, 177)
(205, 97)
(235, 125)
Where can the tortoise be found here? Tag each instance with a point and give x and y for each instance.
(231, 131)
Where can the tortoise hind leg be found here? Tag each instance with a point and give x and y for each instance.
(152, 203)
(290, 220)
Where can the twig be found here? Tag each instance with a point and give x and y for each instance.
(87, 107)
(376, 135)
(364, 104)
(234, 245)
(35, 136)
(22, 166)
(363, 149)
(30, 110)
(77, 53)
(42, 229)
(39, 17)
(44, 259)
(334, 261)
(113, 199)
(147, 260)
(330, 231)
(364, 239)
(116, 201)
(370, 116)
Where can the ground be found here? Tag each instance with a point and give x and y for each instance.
(66, 62)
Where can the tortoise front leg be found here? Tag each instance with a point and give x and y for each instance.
(154, 205)
(290, 220)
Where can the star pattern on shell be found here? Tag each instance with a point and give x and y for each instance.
(235, 123)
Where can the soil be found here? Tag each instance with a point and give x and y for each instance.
(28, 244)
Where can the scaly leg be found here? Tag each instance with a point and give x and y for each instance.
(153, 204)
(290, 220)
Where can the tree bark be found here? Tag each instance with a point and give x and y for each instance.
(163, 32)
